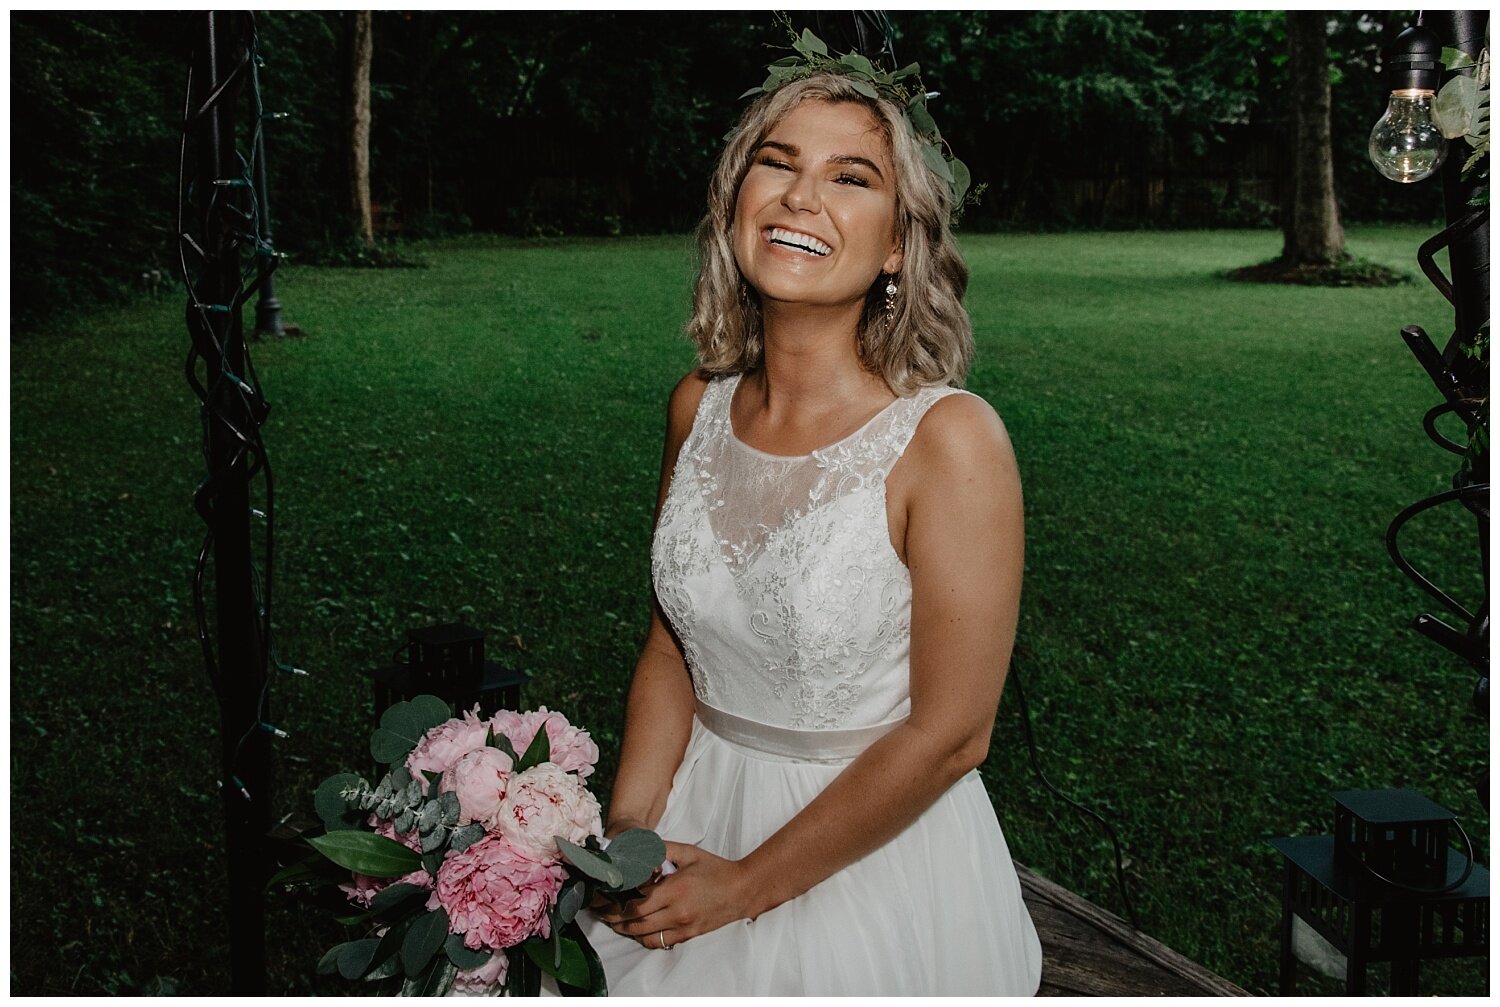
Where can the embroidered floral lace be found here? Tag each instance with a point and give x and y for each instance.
(778, 574)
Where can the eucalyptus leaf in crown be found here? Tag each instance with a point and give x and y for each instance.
(903, 87)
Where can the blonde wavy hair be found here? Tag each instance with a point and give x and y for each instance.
(929, 341)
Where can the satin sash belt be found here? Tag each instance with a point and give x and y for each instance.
(802, 746)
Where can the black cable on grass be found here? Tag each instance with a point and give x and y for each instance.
(1036, 767)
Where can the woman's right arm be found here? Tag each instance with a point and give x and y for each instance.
(659, 708)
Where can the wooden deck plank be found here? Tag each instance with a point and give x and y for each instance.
(1088, 951)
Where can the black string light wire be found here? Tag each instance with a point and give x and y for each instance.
(225, 261)
(232, 201)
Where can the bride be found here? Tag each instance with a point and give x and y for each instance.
(837, 564)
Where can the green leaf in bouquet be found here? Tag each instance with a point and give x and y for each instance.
(390, 967)
(432, 711)
(430, 815)
(501, 742)
(423, 940)
(463, 956)
(312, 869)
(330, 805)
(595, 865)
(402, 726)
(434, 780)
(367, 853)
(538, 752)
(400, 776)
(354, 919)
(569, 901)
(465, 836)
(392, 896)
(405, 822)
(434, 981)
(390, 944)
(411, 795)
(523, 979)
(864, 87)
(433, 842)
(636, 852)
(450, 808)
(329, 963)
(622, 896)
(565, 961)
(598, 986)
(354, 958)
(432, 862)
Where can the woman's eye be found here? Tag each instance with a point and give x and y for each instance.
(847, 179)
(771, 162)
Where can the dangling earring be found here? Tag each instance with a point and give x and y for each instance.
(891, 290)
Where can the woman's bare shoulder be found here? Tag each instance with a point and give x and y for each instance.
(682, 406)
(960, 434)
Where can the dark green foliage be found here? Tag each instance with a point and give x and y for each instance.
(1212, 636)
(95, 103)
(604, 123)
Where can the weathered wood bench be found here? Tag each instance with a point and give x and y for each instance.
(1088, 951)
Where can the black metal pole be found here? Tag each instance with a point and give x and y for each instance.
(240, 658)
(267, 307)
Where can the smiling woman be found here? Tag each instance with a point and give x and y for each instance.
(837, 565)
(816, 216)
(921, 339)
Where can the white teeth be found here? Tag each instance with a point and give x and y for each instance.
(797, 239)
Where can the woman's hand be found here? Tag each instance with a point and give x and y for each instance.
(703, 895)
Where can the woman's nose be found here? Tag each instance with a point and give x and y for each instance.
(802, 193)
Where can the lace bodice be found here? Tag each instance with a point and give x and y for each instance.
(778, 574)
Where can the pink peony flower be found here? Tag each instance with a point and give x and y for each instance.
(363, 888)
(445, 744)
(479, 779)
(484, 980)
(572, 749)
(543, 802)
(497, 894)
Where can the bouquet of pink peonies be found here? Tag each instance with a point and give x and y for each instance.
(474, 853)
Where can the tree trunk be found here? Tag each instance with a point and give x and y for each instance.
(1311, 230)
(360, 49)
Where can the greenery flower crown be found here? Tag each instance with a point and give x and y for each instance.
(904, 87)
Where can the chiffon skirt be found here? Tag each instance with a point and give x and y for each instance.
(936, 911)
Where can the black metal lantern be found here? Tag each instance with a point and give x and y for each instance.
(1386, 887)
(448, 662)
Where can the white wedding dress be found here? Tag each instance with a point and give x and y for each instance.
(794, 613)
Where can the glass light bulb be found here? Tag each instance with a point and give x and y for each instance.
(1406, 145)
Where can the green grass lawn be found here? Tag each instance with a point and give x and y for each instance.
(1212, 635)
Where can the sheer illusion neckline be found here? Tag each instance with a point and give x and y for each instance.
(734, 438)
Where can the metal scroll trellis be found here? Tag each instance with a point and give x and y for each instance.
(1460, 373)
(225, 261)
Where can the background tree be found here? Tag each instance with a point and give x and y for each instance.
(1312, 233)
(359, 51)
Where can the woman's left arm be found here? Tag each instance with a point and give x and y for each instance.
(964, 543)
